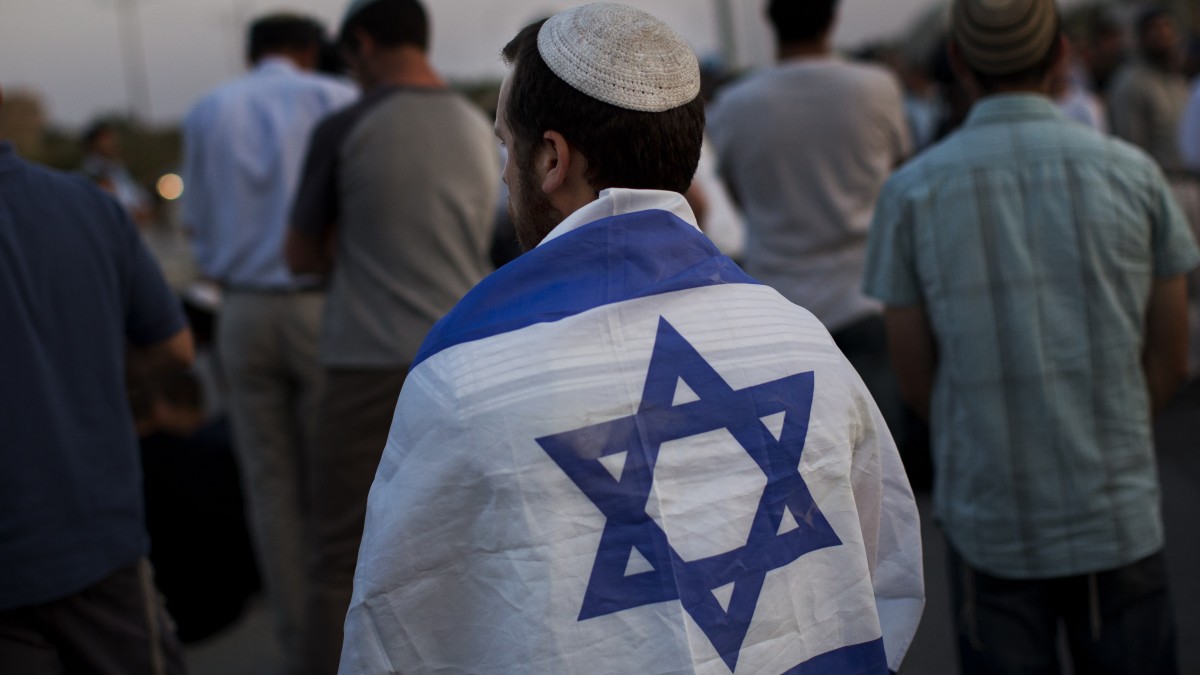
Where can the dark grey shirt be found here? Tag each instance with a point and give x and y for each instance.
(407, 178)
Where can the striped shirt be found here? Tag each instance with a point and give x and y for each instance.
(1033, 243)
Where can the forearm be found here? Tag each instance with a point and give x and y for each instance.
(913, 353)
(1164, 359)
(1163, 379)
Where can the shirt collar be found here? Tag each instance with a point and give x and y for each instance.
(619, 201)
(1012, 107)
(809, 61)
(275, 65)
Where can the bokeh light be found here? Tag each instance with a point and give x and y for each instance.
(170, 186)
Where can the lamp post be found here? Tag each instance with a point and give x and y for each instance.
(133, 55)
(726, 33)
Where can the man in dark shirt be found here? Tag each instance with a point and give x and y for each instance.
(77, 286)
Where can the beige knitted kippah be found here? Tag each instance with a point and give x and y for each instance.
(620, 55)
(1003, 37)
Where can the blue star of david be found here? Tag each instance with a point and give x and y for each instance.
(623, 501)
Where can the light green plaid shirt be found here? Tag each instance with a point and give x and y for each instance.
(1033, 242)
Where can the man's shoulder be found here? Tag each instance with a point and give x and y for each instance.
(338, 123)
(850, 83)
(68, 203)
(234, 87)
(257, 86)
(867, 76)
(49, 181)
(969, 147)
(221, 97)
(409, 115)
(337, 91)
(614, 259)
(446, 105)
(748, 90)
(926, 168)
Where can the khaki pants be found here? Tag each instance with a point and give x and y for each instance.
(267, 344)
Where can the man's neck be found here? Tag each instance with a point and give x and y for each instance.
(807, 49)
(403, 67)
(292, 58)
(1032, 88)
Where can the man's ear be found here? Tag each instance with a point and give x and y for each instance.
(366, 43)
(562, 170)
(961, 70)
(554, 162)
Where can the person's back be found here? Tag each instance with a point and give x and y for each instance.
(806, 146)
(246, 142)
(629, 464)
(1036, 249)
(416, 184)
(1032, 272)
(76, 288)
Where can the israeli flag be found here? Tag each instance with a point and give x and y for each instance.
(620, 454)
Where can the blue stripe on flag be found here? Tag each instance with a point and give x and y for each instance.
(610, 260)
(867, 658)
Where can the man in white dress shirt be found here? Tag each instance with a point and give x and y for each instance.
(244, 146)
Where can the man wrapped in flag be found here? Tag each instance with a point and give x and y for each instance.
(619, 453)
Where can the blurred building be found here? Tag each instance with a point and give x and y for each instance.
(23, 121)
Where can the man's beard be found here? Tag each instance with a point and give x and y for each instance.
(532, 214)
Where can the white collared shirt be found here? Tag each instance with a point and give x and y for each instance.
(618, 201)
(244, 145)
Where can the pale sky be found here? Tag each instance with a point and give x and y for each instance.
(69, 51)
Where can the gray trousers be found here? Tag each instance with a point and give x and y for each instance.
(353, 421)
(267, 344)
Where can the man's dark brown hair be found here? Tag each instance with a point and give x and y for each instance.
(281, 32)
(801, 20)
(390, 23)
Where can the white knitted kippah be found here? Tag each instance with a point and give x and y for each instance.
(620, 55)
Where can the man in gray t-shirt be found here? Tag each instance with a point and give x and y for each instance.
(805, 146)
(396, 206)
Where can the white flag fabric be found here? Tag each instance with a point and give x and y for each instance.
(620, 454)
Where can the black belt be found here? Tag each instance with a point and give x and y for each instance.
(268, 290)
